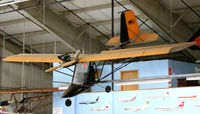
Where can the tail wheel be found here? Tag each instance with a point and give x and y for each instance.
(68, 102)
(108, 89)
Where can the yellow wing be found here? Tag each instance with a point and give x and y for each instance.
(105, 55)
(42, 58)
(136, 52)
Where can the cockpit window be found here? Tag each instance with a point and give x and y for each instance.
(81, 73)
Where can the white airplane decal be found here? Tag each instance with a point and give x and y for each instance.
(126, 100)
(143, 107)
(189, 97)
(158, 97)
(90, 102)
(170, 108)
(101, 108)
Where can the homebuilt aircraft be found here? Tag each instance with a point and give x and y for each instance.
(84, 74)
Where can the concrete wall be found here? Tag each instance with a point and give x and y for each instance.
(13, 74)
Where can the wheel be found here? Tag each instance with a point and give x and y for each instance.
(68, 102)
(108, 89)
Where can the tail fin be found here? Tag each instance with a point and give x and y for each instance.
(133, 98)
(97, 98)
(129, 26)
(181, 105)
(107, 105)
(167, 93)
(195, 38)
(147, 104)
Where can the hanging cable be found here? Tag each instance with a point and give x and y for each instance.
(83, 20)
(23, 51)
(90, 42)
(190, 8)
(171, 16)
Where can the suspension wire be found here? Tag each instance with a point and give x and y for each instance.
(90, 42)
(83, 20)
(190, 8)
(44, 22)
(23, 51)
(70, 69)
(17, 39)
(119, 67)
(2, 55)
(63, 73)
(171, 16)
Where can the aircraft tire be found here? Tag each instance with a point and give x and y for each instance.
(108, 89)
(68, 102)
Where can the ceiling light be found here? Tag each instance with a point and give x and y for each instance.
(8, 2)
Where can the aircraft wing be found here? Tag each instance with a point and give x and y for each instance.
(136, 52)
(40, 58)
(43, 58)
(105, 55)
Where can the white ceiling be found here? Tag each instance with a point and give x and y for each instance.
(93, 16)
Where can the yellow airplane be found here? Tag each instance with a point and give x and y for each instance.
(129, 35)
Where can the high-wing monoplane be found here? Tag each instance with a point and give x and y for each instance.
(85, 70)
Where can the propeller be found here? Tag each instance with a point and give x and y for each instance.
(75, 59)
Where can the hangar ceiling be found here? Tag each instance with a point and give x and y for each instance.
(65, 26)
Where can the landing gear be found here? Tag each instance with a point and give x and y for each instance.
(68, 102)
(108, 89)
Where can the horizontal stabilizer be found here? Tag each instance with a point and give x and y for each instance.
(195, 38)
(141, 38)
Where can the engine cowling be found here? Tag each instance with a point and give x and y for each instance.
(65, 57)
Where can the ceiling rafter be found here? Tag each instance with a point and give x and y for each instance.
(29, 34)
(181, 10)
(16, 21)
(93, 8)
(55, 25)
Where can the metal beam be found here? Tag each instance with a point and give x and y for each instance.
(15, 49)
(117, 20)
(29, 34)
(16, 21)
(46, 44)
(93, 8)
(30, 90)
(181, 10)
(194, 25)
(62, 29)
